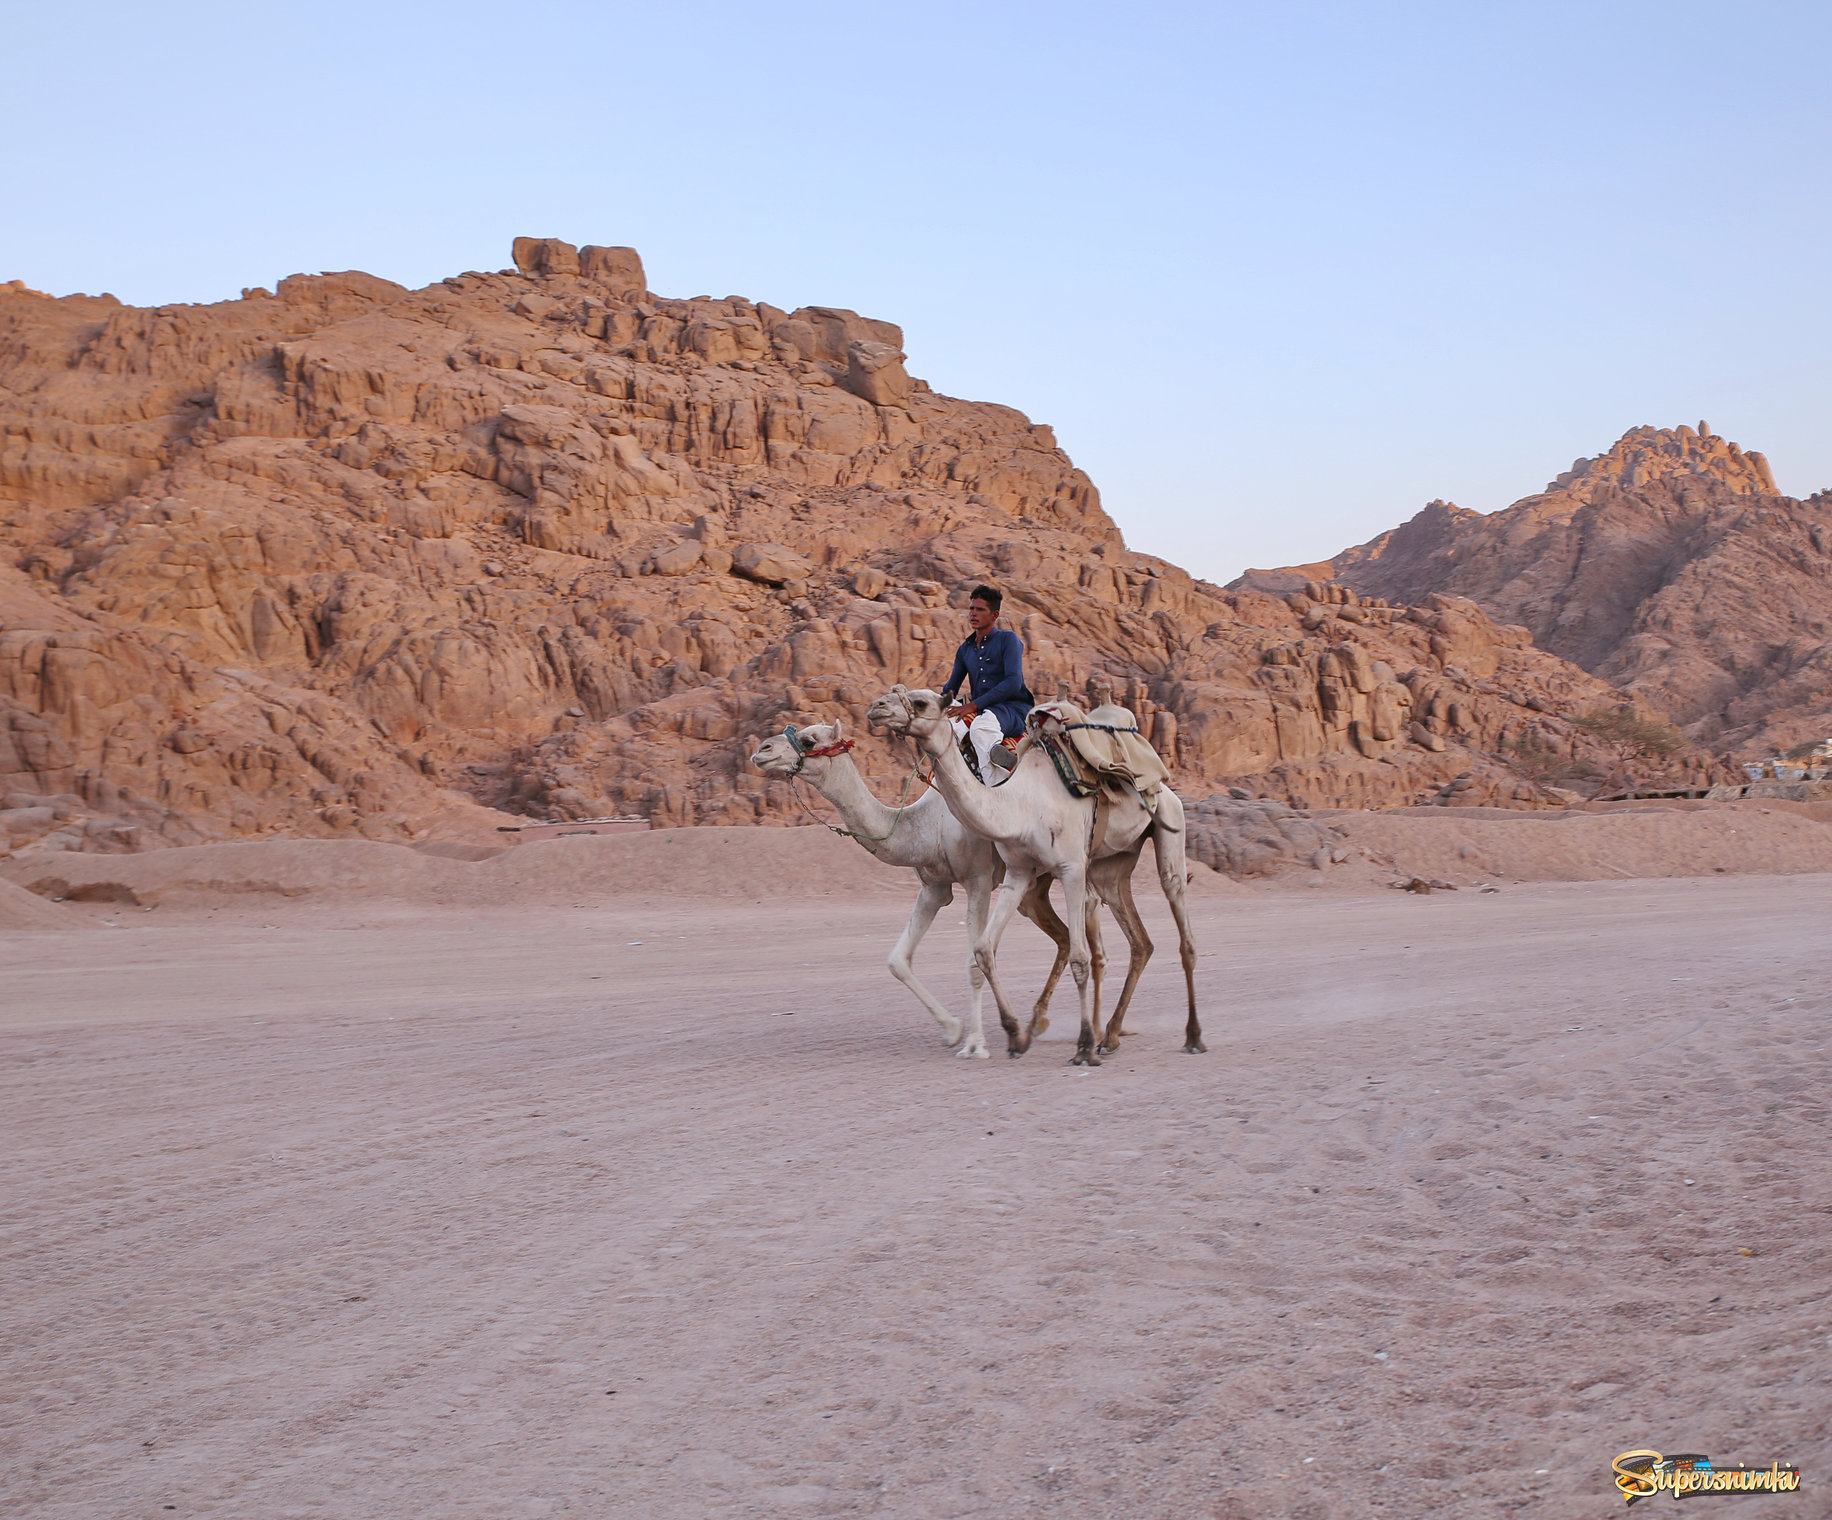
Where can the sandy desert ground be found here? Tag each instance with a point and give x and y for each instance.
(417, 1202)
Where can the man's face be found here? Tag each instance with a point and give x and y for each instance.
(981, 615)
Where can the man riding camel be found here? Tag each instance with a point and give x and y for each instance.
(991, 661)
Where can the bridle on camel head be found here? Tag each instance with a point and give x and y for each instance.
(903, 699)
(908, 731)
(805, 752)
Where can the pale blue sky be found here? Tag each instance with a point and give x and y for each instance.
(1277, 274)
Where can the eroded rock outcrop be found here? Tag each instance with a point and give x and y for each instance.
(349, 557)
(1246, 837)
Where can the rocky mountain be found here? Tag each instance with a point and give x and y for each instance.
(345, 557)
(1669, 566)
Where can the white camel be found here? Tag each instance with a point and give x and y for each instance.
(1041, 830)
(926, 836)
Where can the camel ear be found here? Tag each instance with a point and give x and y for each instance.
(837, 734)
(900, 688)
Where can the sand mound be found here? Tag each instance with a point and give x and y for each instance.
(1465, 843)
(277, 867)
(453, 849)
(20, 911)
(715, 862)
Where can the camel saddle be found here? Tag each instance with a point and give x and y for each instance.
(1105, 757)
(1106, 750)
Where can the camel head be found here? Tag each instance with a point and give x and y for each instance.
(918, 712)
(787, 754)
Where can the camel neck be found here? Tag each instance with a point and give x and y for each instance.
(994, 812)
(872, 823)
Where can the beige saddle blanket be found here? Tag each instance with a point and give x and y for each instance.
(1108, 751)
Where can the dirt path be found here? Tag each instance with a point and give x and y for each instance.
(379, 1212)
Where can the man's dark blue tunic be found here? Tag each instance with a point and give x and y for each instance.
(994, 667)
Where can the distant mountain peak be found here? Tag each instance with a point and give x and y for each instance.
(1645, 454)
(1668, 565)
(1439, 510)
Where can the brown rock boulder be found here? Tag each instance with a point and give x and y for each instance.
(616, 269)
(771, 564)
(875, 373)
(545, 256)
(676, 559)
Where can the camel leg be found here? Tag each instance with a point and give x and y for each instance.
(1126, 910)
(979, 899)
(1173, 876)
(1036, 907)
(933, 897)
(1075, 915)
(986, 950)
(1097, 959)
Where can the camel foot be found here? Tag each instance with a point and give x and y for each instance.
(1014, 1052)
(972, 1050)
(1084, 1058)
(1195, 1048)
(951, 1032)
(1039, 1022)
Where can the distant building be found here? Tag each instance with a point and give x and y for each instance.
(1816, 765)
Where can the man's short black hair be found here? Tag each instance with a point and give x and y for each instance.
(990, 595)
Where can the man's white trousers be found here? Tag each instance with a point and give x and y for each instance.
(986, 736)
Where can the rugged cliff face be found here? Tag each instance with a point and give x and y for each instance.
(1669, 566)
(345, 556)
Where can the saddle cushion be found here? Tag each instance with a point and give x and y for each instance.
(1105, 754)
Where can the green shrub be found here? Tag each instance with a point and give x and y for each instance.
(1632, 734)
